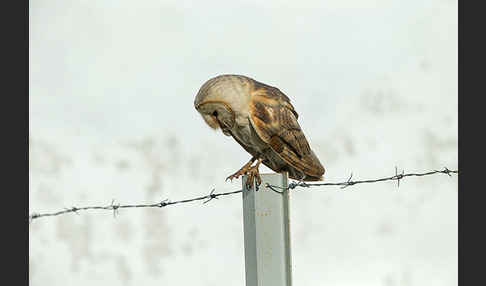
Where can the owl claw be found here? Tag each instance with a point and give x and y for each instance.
(236, 175)
(252, 172)
(241, 171)
(253, 175)
(231, 177)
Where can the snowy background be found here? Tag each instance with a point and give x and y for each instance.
(112, 85)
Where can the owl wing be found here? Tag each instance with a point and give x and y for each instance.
(275, 120)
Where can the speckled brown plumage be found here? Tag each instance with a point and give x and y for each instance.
(263, 121)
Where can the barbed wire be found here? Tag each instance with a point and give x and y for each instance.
(207, 198)
(397, 177)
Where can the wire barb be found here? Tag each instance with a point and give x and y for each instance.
(164, 203)
(212, 195)
(74, 210)
(294, 185)
(348, 182)
(447, 171)
(114, 207)
(398, 177)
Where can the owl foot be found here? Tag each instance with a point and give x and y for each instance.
(254, 175)
(241, 171)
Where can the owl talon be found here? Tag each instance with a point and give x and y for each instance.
(241, 171)
(231, 177)
(249, 181)
(258, 179)
(252, 172)
(236, 175)
(253, 175)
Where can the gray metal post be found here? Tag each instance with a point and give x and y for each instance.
(267, 233)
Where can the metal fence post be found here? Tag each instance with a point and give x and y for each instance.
(267, 233)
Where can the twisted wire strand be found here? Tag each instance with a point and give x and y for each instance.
(212, 195)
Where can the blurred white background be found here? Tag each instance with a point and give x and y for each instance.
(112, 85)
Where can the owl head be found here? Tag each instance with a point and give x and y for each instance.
(217, 100)
(217, 114)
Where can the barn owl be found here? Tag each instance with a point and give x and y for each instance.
(263, 121)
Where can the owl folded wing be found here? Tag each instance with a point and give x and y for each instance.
(275, 121)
